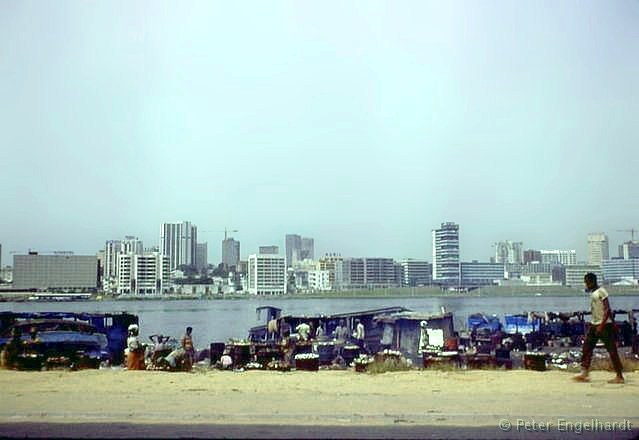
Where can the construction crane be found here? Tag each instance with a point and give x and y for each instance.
(226, 232)
(631, 230)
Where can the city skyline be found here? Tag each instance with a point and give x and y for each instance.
(581, 257)
(515, 121)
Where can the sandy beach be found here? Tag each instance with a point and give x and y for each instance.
(477, 398)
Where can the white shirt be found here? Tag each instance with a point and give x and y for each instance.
(597, 306)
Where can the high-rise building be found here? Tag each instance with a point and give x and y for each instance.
(415, 272)
(509, 252)
(299, 248)
(308, 249)
(629, 250)
(143, 274)
(267, 274)
(446, 268)
(558, 256)
(63, 270)
(113, 248)
(531, 256)
(293, 248)
(178, 241)
(598, 248)
(201, 256)
(230, 253)
(269, 250)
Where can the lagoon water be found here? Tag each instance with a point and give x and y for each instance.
(219, 320)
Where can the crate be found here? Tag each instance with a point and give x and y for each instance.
(307, 364)
(536, 362)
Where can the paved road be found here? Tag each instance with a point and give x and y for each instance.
(125, 430)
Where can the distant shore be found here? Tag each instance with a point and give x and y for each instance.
(406, 292)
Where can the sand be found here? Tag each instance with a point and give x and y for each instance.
(456, 398)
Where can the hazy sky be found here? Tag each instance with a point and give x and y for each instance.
(362, 124)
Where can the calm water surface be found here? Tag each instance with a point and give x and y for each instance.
(219, 320)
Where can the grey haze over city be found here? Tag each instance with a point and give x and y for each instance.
(361, 124)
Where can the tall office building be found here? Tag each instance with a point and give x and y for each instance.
(178, 241)
(113, 248)
(143, 274)
(598, 248)
(201, 256)
(230, 253)
(308, 249)
(267, 274)
(509, 252)
(446, 254)
(299, 248)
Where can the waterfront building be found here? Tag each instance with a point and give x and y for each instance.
(369, 273)
(267, 274)
(477, 273)
(531, 256)
(178, 241)
(558, 256)
(230, 253)
(629, 250)
(511, 252)
(598, 248)
(113, 248)
(415, 272)
(201, 256)
(334, 264)
(575, 274)
(319, 280)
(619, 269)
(274, 250)
(143, 274)
(60, 271)
(446, 268)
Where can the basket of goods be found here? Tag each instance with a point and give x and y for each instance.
(387, 354)
(307, 362)
(349, 353)
(254, 366)
(362, 362)
(277, 365)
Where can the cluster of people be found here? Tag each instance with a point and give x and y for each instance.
(161, 354)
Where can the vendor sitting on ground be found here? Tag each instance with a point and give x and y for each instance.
(226, 361)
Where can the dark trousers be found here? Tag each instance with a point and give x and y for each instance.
(608, 337)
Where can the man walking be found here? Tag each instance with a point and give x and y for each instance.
(601, 327)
